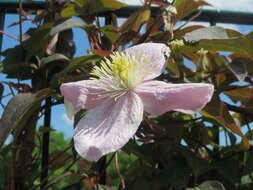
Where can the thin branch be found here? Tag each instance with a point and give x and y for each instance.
(190, 19)
(123, 185)
(9, 35)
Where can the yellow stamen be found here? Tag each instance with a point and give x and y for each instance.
(118, 69)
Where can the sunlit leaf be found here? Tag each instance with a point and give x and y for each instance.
(209, 33)
(135, 21)
(88, 8)
(240, 44)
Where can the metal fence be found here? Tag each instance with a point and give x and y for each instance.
(209, 16)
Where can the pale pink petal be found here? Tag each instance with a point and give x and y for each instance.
(151, 57)
(159, 97)
(108, 127)
(83, 94)
(70, 108)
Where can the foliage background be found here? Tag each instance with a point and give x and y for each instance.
(173, 151)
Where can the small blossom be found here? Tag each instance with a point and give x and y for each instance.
(121, 90)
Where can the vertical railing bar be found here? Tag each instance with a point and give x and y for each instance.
(2, 20)
(45, 143)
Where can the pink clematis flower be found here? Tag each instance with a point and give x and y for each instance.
(119, 95)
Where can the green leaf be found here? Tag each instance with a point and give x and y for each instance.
(185, 7)
(18, 111)
(38, 40)
(88, 8)
(142, 152)
(242, 94)
(81, 61)
(229, 168)
(65, 25)
(239, 44)
(70, 10)
(110, 32)
(14, 64)
(208, 33)
(218, 111)
(209, 185)
(138, 176)
(52, 58)
(198, 165)
(104, 5)
(177, 174)
(77, 62)
(135, 21)
(180, 33)
(59, 159)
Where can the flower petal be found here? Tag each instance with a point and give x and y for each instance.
(81, 94)
(108, 127)
(151, 57)
(70, 108)
(159, 97)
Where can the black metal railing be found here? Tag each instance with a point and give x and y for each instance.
(232, 17)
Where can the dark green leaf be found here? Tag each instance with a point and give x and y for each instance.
(77, 62)
(65, 25)
(55, 57)
(185, 7)
(229, 168)
(110, 32)
(218, 111)
(18, 111)
(142, 152)
(59, 159)
(15, 65)
(198, 165)
(38, 40)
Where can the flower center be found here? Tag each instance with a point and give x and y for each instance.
(118, 72)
